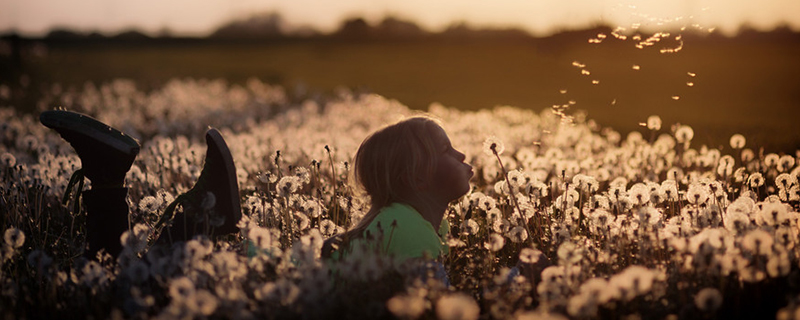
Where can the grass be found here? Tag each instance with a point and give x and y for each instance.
(615, 228)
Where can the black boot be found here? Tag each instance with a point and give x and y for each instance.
(212, 206)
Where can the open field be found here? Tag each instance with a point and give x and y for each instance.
(602, 225)
(748, 85)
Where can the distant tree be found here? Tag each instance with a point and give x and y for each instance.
(464, 30)
(95, 35)
(131, 35)
(394, 27)
(265, 25)
(355, 28)
(63, 34)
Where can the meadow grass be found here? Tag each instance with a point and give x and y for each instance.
(565, 218)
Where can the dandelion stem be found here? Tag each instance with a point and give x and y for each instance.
(513, 197)
(333, 177)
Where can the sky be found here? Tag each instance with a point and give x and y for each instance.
(540, 17)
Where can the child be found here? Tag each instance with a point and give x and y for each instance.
(106, 156)
(411, 173)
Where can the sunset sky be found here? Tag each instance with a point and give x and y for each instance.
(199, 17)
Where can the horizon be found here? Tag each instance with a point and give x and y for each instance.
(182, 18)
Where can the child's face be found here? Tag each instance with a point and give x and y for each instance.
(450, 181)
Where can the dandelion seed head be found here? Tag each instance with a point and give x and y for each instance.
(758, 241)
(39, 260)
(518, 234)
(771, 160)
(457, 306)
(654, 123)
(495, 242)
(708, 299)
(288, 185)
(755, 180)
(406, 306)
(684, 134)
(470, 227)
(260, 237)
(493, 146)
(7, 160)
(529, 255)
(14, 237)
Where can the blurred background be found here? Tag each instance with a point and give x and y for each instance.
(722, 67)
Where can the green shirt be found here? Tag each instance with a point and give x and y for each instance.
(406, 234)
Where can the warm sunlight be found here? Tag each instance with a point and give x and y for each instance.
(539, 17)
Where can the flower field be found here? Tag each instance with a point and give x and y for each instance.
(566, 219)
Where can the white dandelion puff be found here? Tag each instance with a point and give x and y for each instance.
(654, 123)
(684, 134)
(457, 306)
(14, 237)
(737, 141)
(708, 299)
(495, 243)
(493, 146)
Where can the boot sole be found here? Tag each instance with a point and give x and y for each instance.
(90, 127)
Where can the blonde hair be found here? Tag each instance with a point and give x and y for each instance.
(390, 162)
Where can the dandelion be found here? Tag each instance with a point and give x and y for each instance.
(260, 237)
(779, 264)
(495, 243)
(203, 303)
(708, 300)
(785, 180)
(150, 205)
(518, 234)
(93, 274)
(633, 281)
(282, 290)
(303, 175)
(654, 123)
(138, 271)
(697, 194)
(500, 225)
(755, 180)
(470, 227)
(302, 221)
(288, 185)
(7, 160)
(737, 141)
(181, 289)
(758, 241)
(39, 260)
(457, 306)
(136, 239)
(771, 160)
(406, 306)
(14, 238)
(529, 255)
(493, 146)
(312, 208)
(639, 194)
(684, 134)
(785, 163)
(327, 228)
(774, 214)
(569, 252)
